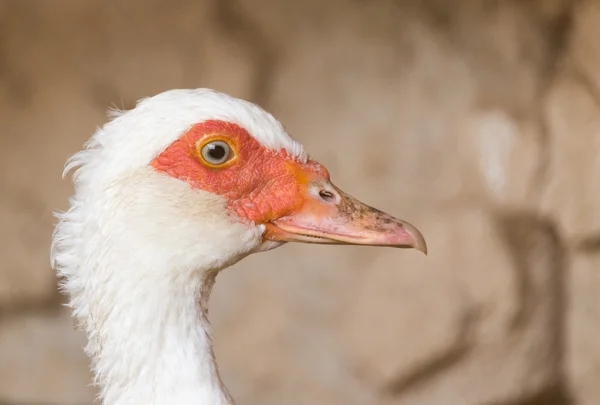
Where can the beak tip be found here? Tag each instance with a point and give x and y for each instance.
(418, 240)
(420, 245)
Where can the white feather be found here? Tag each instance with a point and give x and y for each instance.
(138, 250)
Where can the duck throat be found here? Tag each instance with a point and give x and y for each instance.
(150, 342)
(139, 257)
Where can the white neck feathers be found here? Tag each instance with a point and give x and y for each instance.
(139, 250)
(139, 257)
(152, 343)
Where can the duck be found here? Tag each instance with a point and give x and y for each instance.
(168, 194)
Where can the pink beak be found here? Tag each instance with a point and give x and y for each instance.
(330, 216)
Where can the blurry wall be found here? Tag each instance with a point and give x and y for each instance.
(478, 121)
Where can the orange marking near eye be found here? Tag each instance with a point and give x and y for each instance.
(260, 184)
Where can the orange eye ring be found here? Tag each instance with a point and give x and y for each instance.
(216, 152)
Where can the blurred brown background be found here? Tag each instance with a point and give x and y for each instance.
(478, 121)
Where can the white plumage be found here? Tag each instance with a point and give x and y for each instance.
(138, 250)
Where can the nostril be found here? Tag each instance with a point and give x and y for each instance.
(327, 196)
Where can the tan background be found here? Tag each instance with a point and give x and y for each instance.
(479, 121)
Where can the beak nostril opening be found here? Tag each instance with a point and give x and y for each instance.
(327, 196)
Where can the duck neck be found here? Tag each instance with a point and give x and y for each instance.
(150, 342)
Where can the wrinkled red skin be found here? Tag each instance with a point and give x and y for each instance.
(260, 186)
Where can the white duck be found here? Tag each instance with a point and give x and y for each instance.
(167, 195)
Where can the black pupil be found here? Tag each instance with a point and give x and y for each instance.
(216, 152)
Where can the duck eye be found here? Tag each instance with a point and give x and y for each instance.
(216, 152)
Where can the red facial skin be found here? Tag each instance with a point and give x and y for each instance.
(294, 200)
(260, 184)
